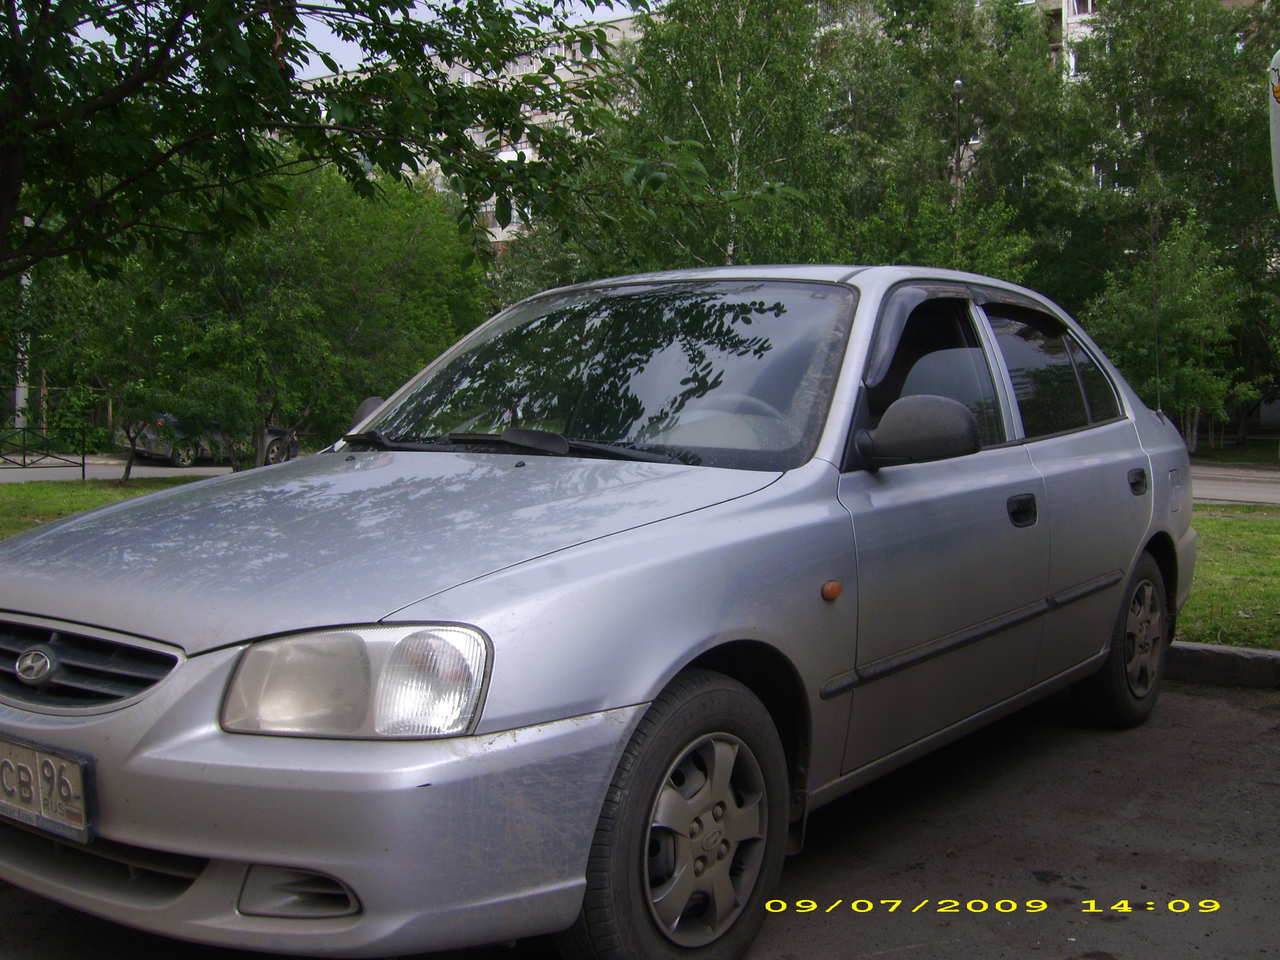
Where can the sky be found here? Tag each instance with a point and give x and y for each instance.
(347, 55)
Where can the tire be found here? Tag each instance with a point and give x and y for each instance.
(276, 452)
(182, 455)
(1124, 692)
(692, 833)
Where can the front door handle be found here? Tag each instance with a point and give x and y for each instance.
(1022, 509)
(1138, 482)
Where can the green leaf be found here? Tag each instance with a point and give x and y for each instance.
(502, 211)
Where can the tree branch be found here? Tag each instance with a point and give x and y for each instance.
(142, 75)
(57, 244)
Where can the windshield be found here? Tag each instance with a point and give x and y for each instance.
(728, 374)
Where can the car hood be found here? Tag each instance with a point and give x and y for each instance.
(332, 539)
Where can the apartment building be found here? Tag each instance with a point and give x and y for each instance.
(1068, 21)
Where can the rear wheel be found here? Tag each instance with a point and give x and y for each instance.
(183, 455)
(691, 838)
(1124, 692)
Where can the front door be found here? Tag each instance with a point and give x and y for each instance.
(952, 555)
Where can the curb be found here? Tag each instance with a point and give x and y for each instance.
(1223, 666)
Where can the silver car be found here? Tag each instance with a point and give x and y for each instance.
(575, 630)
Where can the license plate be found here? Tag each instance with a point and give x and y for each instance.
(45, 788)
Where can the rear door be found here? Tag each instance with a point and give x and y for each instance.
(1097, 478)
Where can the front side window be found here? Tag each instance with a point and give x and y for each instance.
(938, 353)
(729, 373)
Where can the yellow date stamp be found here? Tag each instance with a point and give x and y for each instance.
(945, 905)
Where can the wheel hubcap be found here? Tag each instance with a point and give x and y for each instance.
(706, 839)
(1143, 638)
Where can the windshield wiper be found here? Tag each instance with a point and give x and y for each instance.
(624, 452)
(375, 439)
(558, 445)
(543, 441)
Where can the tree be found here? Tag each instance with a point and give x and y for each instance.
(717, 153)
(339, 298)
(1180, 125)
(937, 228)
(104, 337)
(156, 119)
(741, 79)
(1167, 324)
(949, 111)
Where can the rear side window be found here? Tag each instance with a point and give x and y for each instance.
(1098, 392)
(1058, 386)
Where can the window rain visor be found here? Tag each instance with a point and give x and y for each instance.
(726, 374)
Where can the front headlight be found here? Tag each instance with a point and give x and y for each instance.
(361, 682)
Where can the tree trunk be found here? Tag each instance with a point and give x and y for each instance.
(133, 454)
(1191, 422)
(1242, 424)
(259, 444)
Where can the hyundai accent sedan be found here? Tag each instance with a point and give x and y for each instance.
(576, 629)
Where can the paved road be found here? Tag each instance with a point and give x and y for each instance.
(1230, 484)
(1032, 809)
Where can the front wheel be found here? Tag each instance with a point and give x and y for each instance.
(1124, 692)
(691, 838)
(182, 455)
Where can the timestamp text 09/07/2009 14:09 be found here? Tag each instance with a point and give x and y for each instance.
(993, 906)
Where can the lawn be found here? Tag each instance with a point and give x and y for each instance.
(24, 505)
(1235, 598)
(1236, 595)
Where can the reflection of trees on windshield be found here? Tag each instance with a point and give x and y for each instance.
(574, 369)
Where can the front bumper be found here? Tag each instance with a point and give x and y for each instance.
(443, 843)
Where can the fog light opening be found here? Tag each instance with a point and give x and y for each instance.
(294, 894)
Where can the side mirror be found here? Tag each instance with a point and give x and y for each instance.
(917, 429)
(367, 406)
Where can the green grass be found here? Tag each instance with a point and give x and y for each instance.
(25, 505)
(1235, 598)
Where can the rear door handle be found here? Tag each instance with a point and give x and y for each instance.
(1022, 509)
(1138, 482)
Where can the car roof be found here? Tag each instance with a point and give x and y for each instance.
(872, 279)
(831, 273)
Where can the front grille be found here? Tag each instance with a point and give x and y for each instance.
(103, 867)
(88, 672)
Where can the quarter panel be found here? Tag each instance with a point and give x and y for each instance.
(1172, 493)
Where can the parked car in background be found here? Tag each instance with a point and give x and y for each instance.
(574, 631)
(182, 443)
